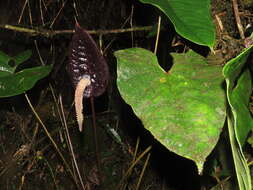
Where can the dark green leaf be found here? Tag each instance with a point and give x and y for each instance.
(238, 93)
(239, 88)
(191, 19)
(18, 83)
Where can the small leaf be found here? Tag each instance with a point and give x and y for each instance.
(184, 109)
(191, 18)
(18, 83)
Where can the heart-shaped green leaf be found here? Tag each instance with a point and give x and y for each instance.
(184, 109)
(191, 19)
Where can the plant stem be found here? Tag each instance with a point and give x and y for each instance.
(51, 33)
(96, 139)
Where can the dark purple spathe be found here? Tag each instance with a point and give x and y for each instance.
(85, 60)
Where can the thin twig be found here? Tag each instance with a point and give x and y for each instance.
(158, 34)
(133, 164)
(142, 172)
(44, 4)
(63, 5)
(136, 149)
(237, 18)
(131, 24)
(51, 33)
(30, 13)
(219, 23)
(22, 12)
(41, 14)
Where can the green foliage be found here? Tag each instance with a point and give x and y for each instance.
(191, 19)
(184, 109)
(240, 122)
(13, 83)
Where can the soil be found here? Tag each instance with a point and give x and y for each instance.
(35, 153)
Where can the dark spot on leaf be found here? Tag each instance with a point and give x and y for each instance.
(85, 60)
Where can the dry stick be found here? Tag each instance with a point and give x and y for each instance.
(22, 182)
(132, 166)
(136, 149)
(38, 51)
(30, 13)
(134, 156)
(52, 33)
(22, 12)
(217, 18)
(44, 4)
(131, 24)
(237, 18)
(142, 172)
(63, 5)
(41, 14)
(96, 139)
(70, 145)
(158, 34)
